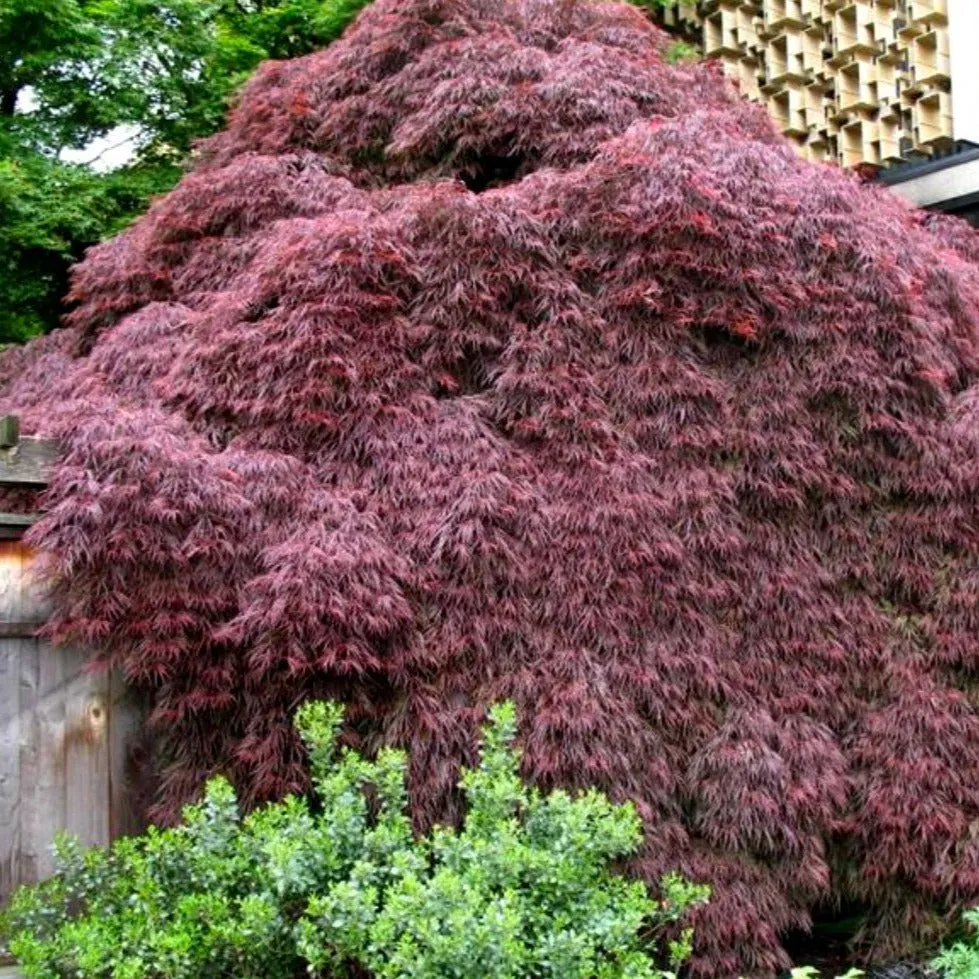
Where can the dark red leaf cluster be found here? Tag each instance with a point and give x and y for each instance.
(488, 355)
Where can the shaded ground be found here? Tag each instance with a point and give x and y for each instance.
(828, 950)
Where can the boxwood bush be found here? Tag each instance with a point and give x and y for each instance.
(339, 885)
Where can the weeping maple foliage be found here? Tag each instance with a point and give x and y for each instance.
(488, 355)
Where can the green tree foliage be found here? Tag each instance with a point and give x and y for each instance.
(72, 71)
(341, 886)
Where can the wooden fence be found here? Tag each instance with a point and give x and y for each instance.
(64, 732)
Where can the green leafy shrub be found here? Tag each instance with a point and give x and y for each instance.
(340, 886)
(961, 960)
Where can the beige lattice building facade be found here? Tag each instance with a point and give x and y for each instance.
(873, 82)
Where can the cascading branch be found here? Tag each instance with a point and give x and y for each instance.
(487, 355)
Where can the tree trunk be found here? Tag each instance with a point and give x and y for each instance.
(8, 101)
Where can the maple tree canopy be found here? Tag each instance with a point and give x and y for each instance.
(486, 354)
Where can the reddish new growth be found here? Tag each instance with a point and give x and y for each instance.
(488, 355)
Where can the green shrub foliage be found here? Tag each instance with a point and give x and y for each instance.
(339, 885)
(961, 960)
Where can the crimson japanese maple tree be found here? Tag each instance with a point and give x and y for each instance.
(487, 354)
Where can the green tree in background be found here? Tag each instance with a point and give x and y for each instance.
(74, 71)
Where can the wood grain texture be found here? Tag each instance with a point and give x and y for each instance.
(9, 764)
(87, 783)
(43, 787)
(127, 715)
(22, 596)
(64, 736)
(12, 570)
(28, 463)
(19, 521)
(28, 741)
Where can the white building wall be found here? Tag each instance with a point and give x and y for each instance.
(963, 40)
(937, 188)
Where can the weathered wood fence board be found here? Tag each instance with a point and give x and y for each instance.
(64, 734)
(9, 764)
